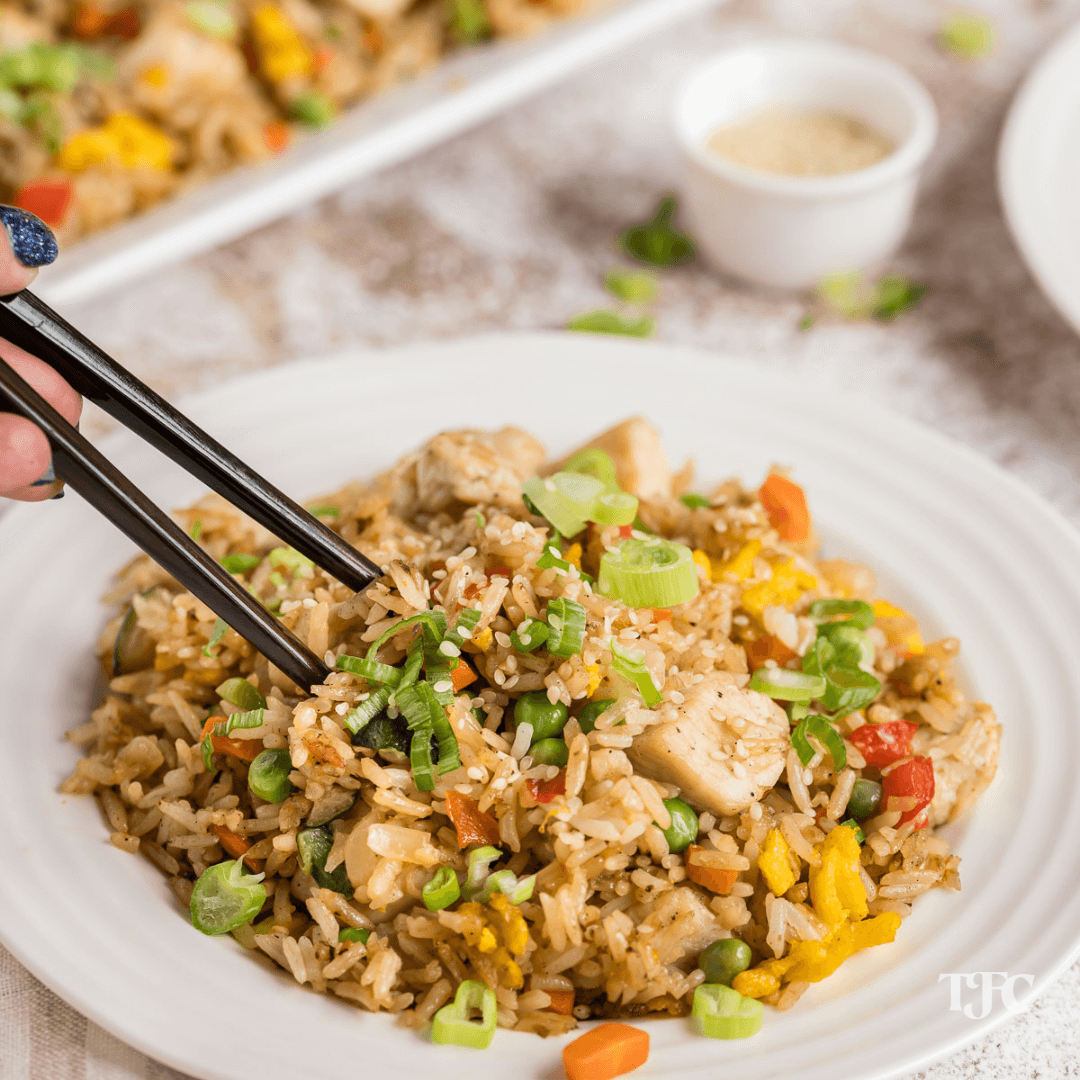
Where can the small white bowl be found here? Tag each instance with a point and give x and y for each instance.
(791, 231)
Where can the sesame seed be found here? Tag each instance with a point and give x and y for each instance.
(442, 686)
(448, 648)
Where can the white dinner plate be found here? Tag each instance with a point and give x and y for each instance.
(1039, 173)
(461, 91)
(970, 550)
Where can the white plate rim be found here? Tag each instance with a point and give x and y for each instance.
(646, 355)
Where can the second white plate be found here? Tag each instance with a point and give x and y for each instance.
(967, 548)
(1039, 173)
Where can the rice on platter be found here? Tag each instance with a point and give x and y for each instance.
(600, 744)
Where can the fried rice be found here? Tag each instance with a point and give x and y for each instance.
(616, 921)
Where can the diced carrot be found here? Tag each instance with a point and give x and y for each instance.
(472, 824)
(545, 792)
(89, 21)
(785, 503)
(767, 648)
(277, 135)
(625, 532)
(125, 24)
(233, 845)
(606, 1052)
(462, 676)
(562, 1001)
(709, 877)
(661, 614)
(49, 199)
(322, 59)
(244, 749)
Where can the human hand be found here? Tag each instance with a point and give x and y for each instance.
(25, 460)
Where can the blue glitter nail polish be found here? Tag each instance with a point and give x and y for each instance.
(47, 477)
(31, 239)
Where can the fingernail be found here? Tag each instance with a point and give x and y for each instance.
(31, 239)
(47, 477)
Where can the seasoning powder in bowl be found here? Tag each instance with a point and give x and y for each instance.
(795, 143)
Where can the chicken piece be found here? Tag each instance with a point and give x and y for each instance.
(696, 751)
(641, 463)
(965, 762)
(381, 11)
(468, 466)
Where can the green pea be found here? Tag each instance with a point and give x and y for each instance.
(865, 799)
(587, 717)
(683, 830)
(268, 777)
(353, 933)
(547, 720)
(550, 752)
(723, 960)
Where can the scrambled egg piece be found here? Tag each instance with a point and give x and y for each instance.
(127, 140)
(283, 53)
(785, 586)
(775, 863)
(704, 562)
(503, 933)
(839, 899)
(900, 629)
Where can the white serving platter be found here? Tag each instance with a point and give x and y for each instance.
(462, 91)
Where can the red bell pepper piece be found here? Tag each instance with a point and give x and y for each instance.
(545, 792)
(912, 780)
(49, 199)
(882, 744)
(472, 824)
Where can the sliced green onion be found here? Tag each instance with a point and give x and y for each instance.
(367, 710)
(819, 728)
(529, 636)
(196, 530)
(424, 619)
(206, 747)
(252, 719)
(212, 19)
(220, 627)
(268, 777)
(442, 890)
(615, 508)
(633, 286)
(657, 242)
(313, 848)
(479, 860)
(566, 627)
(857, 612)
(565, 499)
(423, 712)
(551, 557)
(451, 1024)
(612, 322)
(800, 743)
(324, 511)
(853, 646)
(287, 558)
(312, 108)
(694, 502)
(631, 665)
(240, 563)
(597, 463)
(241, 693)
(463, 627)
(354, 933)
(722, 1013)
(849, 689)
(784, 685)
(649, 573)
(278, 581)
(371, 670)
(225, 897)
(523, 890)
(967, 35)
(797, 710)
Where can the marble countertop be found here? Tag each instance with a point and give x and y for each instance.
(512, 226)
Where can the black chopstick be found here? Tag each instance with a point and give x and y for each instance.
(90, 474)
(32, 325)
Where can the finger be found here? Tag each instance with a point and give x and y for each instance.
(25, 459)
(30, 244)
